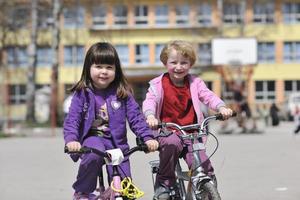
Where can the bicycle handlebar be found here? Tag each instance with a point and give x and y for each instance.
(200, 127)
(141, 146)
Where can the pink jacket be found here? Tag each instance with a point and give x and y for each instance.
(199, 92)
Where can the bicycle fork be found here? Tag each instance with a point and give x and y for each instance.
(198, 177)
(116, 184)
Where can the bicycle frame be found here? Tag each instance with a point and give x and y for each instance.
(112, 157)
(195, 177)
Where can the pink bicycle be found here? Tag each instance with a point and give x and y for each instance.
(119, 189)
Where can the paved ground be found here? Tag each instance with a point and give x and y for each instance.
(248, 166)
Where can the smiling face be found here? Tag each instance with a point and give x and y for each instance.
(178, 67)
(102, 75)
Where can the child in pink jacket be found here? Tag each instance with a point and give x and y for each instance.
(176, 96)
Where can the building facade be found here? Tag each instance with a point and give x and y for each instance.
(139, 29)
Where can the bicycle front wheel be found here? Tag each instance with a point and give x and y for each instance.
(208, 191)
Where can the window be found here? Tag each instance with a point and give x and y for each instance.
(17, 57)
(204, 54)
(291, 12)
(291, 86)
(227, 94)
(99, 16)
(73, 55)
(20, 17)
(161, 15)
(266, 52)
(232, 13)
(291, 52)
(182, 14)
(140, 90)
(17, 94)
(142, 54)
(44, 56)
(263, 12)
(204, 14)
(120, 15)
(158, 49)
(123, 53)
(45, 18)
(141, 15)
(74, 17)
(265, 91)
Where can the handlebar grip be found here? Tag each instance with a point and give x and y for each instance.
(66, 150)
(82, 150)
(161, 125)
(141, 144)
(219, 116)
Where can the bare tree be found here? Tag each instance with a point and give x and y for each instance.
(31, 73)
(54, 77)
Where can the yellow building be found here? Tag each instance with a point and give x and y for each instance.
(139, 29)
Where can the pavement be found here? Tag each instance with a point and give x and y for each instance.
(248, 166)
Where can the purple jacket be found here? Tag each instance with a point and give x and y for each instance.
(82, 114)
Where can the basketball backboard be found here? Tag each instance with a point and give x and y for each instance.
(234, 51)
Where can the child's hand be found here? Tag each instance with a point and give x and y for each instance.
(226, 112)
(73, 146)
(152, 121)
(152, 145)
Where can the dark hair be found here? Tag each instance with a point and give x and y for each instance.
(103, 53)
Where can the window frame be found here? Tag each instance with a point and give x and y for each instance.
(140, 57)
(267, 10)
(204, 14)
(265, 55)
(141, 15)
(17, 94)
(99, 16)
(266, 94)
(77, 55)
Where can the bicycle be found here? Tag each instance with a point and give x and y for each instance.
(200, 186)
(120, 189)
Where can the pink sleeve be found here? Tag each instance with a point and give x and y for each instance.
(208, 97)
(149, 104)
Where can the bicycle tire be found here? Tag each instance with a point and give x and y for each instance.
(208, 191)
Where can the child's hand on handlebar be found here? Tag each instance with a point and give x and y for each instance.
(225, 112)
(152, 121)
(152, 145)
(73, 146)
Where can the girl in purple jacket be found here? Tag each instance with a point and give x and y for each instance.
(102, 101)
(176, 97)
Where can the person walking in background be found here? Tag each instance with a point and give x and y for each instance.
(274, 114)
(102, 102)
(265, 114)
(297, 119)
(175, 96)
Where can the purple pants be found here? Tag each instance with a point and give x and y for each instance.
(171, 148)
(91, 165)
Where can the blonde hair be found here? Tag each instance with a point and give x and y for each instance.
(185, 48)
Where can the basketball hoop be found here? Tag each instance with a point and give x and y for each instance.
(235, 63)
(234, 52)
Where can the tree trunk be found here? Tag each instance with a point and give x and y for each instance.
(30, 87)
(54, 76)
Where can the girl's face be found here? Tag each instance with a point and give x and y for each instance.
(102, 75)
(178, 67)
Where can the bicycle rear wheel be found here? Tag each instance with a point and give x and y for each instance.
(208, 191)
